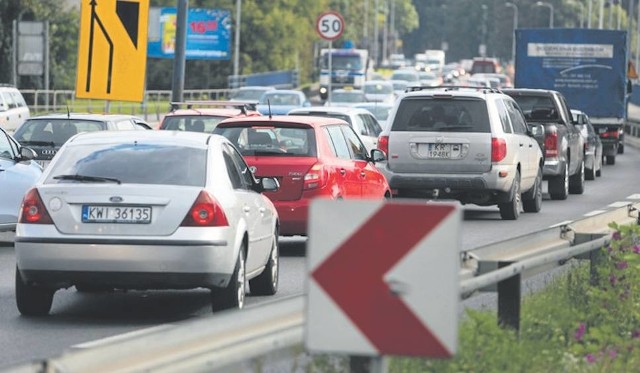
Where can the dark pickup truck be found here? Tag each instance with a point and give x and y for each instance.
(563, 144)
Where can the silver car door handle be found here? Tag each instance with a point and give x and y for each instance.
(262, 210)
(246, 209)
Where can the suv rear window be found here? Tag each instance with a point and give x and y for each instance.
(271, 140)
(426, 114)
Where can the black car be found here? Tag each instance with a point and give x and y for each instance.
(47, 133)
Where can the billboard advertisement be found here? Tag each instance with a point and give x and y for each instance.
(208, 34)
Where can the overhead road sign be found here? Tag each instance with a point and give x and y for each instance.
(112, 52)
(386, 280)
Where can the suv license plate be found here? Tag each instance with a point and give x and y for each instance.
(443, 151)
(116, 214)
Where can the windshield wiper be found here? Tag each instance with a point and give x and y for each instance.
(32, 142)
(98, 179)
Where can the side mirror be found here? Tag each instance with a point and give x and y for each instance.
(27, 154)
(269, 184)
(377, 155)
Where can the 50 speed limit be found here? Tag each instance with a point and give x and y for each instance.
(330, 25)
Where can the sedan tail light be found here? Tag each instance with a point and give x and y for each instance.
(498, 149)
(205, 212)
(32, 210)
(610, 134)
(383, 144)
(551, 144)
(316, 177)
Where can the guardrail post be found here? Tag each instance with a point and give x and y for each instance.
(509, 300)
(595, 258)
(367, 364)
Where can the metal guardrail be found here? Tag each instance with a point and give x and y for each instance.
(242, 341)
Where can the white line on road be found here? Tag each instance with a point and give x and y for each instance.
(594, 212)
(566, 222)
(634, 196)
(619, 204)
(121, 337)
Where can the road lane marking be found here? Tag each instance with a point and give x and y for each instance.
(634, 196)
(619, 204)
(594, 212)
(566, 222)
(121, 337)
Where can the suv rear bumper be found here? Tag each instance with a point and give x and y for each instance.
(487, 181)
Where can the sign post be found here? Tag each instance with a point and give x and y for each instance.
(387, 279)
(330, 26)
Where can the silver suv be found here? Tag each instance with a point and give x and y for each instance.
(468, 144)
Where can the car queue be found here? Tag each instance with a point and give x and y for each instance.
(221, 181)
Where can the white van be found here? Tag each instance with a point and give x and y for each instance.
(13, 108)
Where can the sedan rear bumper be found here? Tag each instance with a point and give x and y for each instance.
(293, 216)
(63, 262)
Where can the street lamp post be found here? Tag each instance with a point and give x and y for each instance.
(515, 26)
(590, 7)
(483, 48)
(236, 54)
(581, 15)
(550, 6)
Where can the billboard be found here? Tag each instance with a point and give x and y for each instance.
(208, 34)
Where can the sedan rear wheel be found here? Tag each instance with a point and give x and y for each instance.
(32, 300)
(267, 282)
(231, 296)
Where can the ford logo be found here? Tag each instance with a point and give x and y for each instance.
(116, 199)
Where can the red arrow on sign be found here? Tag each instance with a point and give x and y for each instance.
(353, 276)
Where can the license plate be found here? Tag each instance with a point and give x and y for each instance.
(116, 214)
(443, 151)
(602, 129)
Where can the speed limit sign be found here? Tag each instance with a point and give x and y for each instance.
(330, 25)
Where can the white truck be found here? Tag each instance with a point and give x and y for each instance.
(435, 59)
(349, 68)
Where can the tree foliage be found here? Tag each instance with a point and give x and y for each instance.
(281, 35)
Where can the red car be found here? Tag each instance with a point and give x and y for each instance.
(311, 157)
(203, 116)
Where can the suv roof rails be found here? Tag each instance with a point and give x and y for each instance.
(7, 85)
(452, 88)
(243, 106)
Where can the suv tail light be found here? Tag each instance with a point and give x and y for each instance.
(316, 177)
(383, 144)
(551, 144)
(498, 149)
(32, 210)
(205, 212)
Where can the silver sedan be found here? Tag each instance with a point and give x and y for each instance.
(147, 210)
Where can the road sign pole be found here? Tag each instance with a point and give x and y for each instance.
(330, 71)
(179, 59)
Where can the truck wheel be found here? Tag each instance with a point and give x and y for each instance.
(611, 159)
(532, 200)
(559, 185)
(511, 210)
(576, 182)
(621, 148)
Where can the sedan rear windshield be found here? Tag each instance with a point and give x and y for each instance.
(54, 132)
(537, 108)
(442, 115)
(272, 141)
(133, 163)
(193, 123)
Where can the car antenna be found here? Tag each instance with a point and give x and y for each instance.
(68, 115)
(269, 104)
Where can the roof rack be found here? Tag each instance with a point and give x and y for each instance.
(243, 106)
(453, 88)
(7, 85)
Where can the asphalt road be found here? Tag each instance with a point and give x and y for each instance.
(80, 317)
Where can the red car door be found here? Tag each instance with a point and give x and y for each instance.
(372, 182)
(346, 175)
